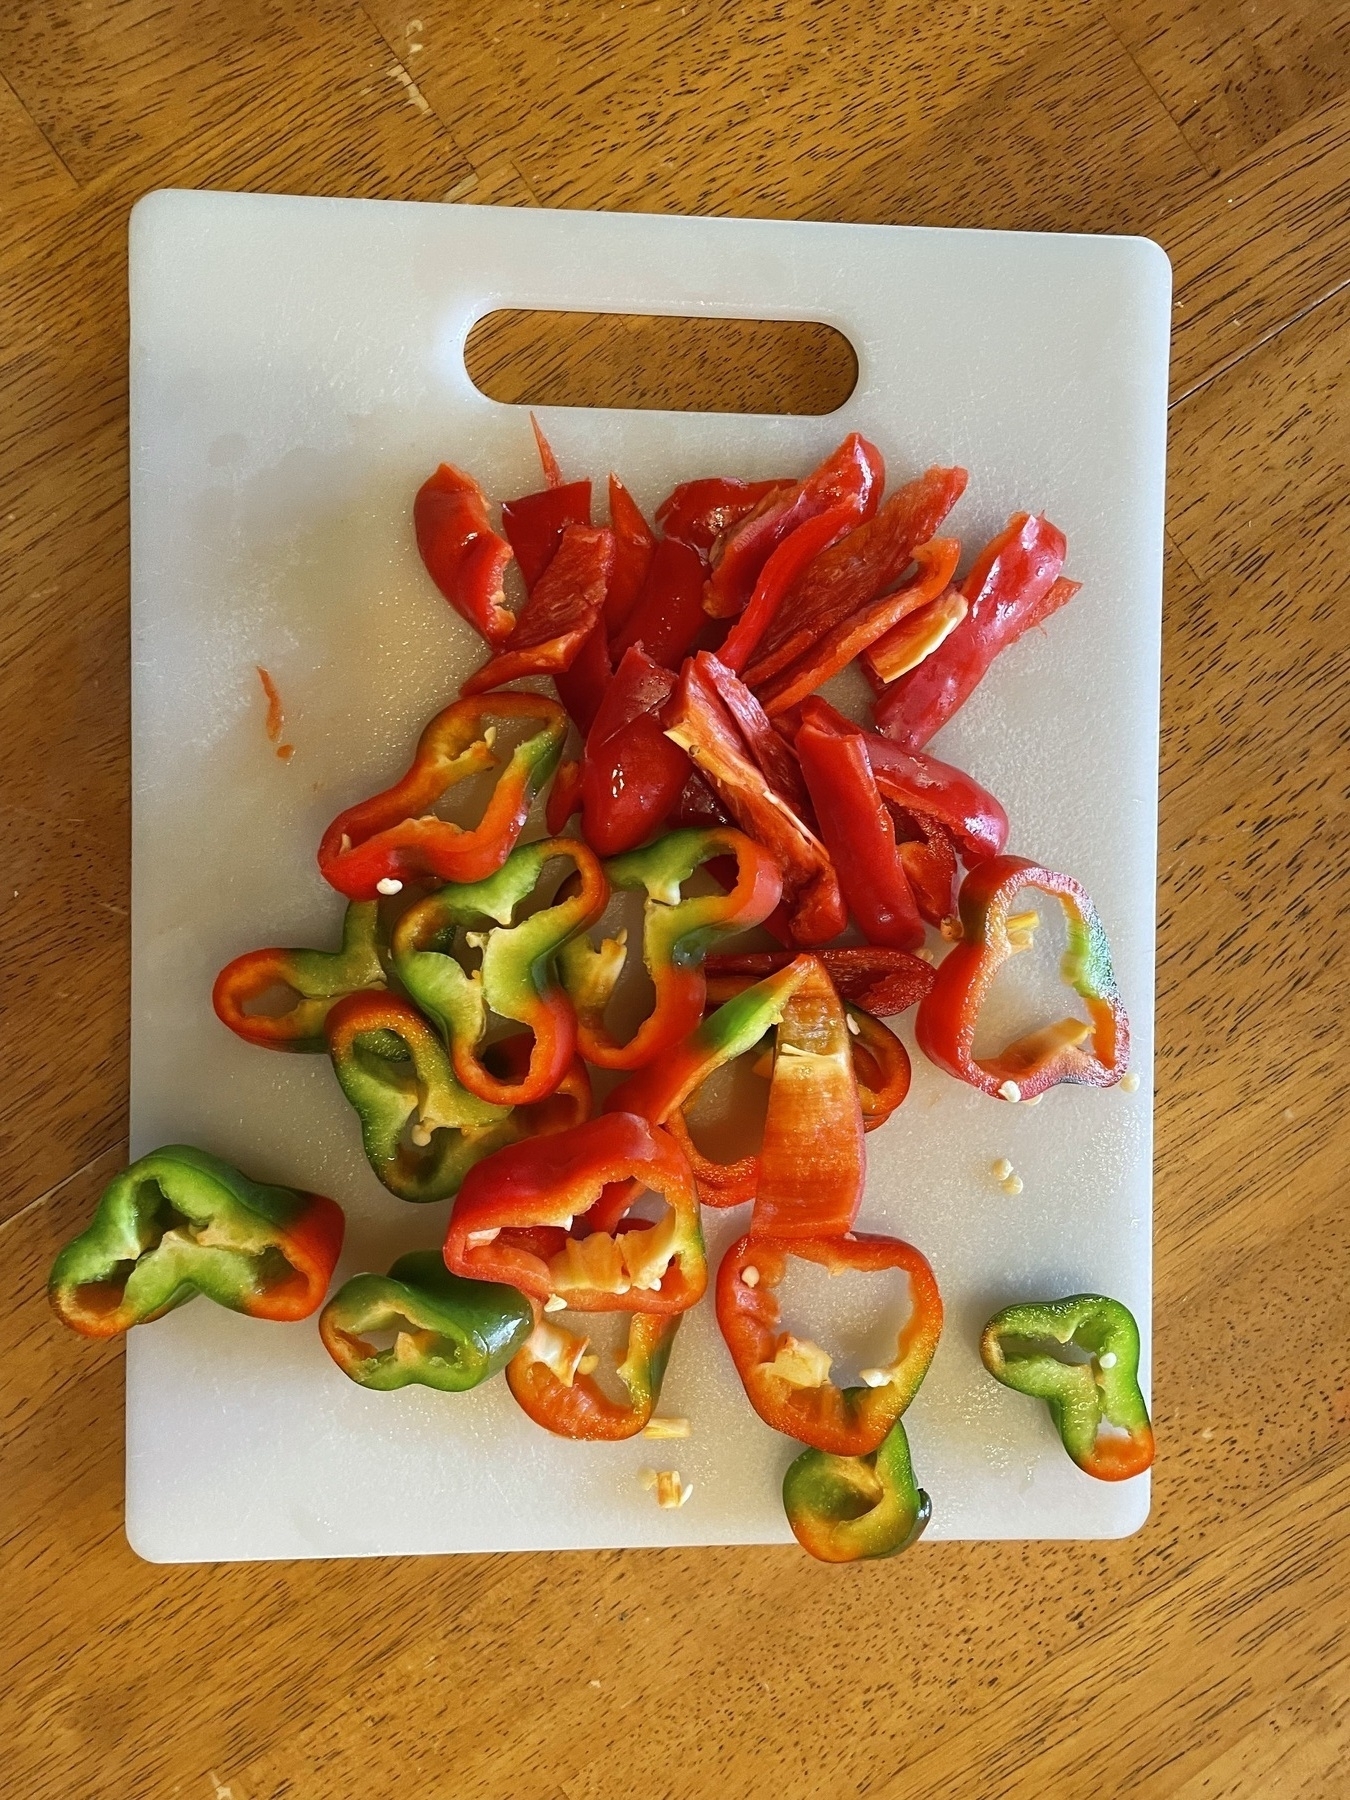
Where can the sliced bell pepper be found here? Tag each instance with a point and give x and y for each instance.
(545, 1378)
(548, 462)
(677, 933)
(928, 858)
(719, 1184)
(534, 525)
(634, 547)
(774, 754)
(631, 773)
(563, 609)
(516, 979)
(1089, 1053)
(1097, 1405)
(449, 1333)
(696, 720)
(514, 1216)
(394, 837)
(668, 615)
(462, 553)
(316, 978)
(880, 1064)
(564, 797)
(583, 685)
(698, 807)
(1012, 586)
(882, 982)
(787, 1379)
(785, 565)
(852, 573)
(180, 1222)
(851, 1508)
(907, 643)
(698, 512)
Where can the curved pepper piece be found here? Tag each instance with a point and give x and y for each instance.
(631, 773)
(394, 836)
(880, 981)
(546, 1380)
(850, 1508)
(514, 1216)
(634, 547)
(1097, 1406)
(698, 512)
(516, 979)
(318, 979)
(668, 614)
(462, 553)
(787, 1380)
(180, 1222)
(450, 1334)
(535, 523)
(1094, 1054)
(676, 935)
(564, 607)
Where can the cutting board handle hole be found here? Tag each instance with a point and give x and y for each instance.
(654, 362)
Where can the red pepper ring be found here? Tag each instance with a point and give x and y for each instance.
(1087, 1053)
(786, 1379)
(719, 1184)
(394, 836)
(512, 1204)
(547, 1381)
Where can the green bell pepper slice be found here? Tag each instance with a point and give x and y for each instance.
(852, 1508)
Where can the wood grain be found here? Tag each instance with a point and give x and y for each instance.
(1204, 1659)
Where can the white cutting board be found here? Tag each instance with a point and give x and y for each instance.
(297, 370)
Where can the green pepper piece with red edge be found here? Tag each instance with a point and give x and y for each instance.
(513, 1220)
(786, 1379)
(545, 1379)
(677, 934)
(564, 608)
(181, 1222)
(317, 978)
(1088, 1053)
(516, 979)
(462, 553)
(1098, 1409)
(395, 837)
(852, 1508)
(450, 1334)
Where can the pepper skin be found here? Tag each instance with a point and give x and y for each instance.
(513, 1220)
(317, 978)
(772, 1365)
(451, 1334)
(535, 523)
(881, 982)
(699, 512)
(516, 978)
(634, 547)
(779, 573)
(564, 797)
(564, 607)
(462, 553)
(394, 836)
(777, 758)
(582, 686)
(180, 1222)
(676, 935)
(668, 615)
(852, 1508)
(1088, 1054)
(548, 1386)
(1017, 1349)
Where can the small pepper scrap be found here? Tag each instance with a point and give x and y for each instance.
(1092, 1052)
(449, 1333)
(394, 837)
(317, 979)
(180, 1222)
(1096, 1404)
(462, 553)
(546, 1379)
(851, 1508)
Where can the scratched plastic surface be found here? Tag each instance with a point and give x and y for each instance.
(296, 371)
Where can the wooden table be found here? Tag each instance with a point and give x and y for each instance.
(1206, 1657)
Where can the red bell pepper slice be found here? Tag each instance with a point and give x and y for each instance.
(786, 1379)
(697, 721)
(697, 805)
(634, 547)
(546, 1379)
(583, 686)
(563, 608)
(1091, 1053)
(801, 547)
(698, 512)
(851, 574)
(548, 462)
(907, 643)
(669, 615)
(462, 553)
(774, 754)
(853, 475)
(1013, 586)
(513, 1219)
(564, 797)
(534, 524)
(880, 981)
(631, 773)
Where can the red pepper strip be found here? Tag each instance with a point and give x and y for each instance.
(564, 797)
(462, 553)
(859, 834)
(881, 1064)
(534, 524)
(851, 574)
(928, 857)
(882, 982)
(1012, 587)
(937, 562)
(560, 614)
(569, 1104)
(546, 1382)
(634, 547)
(631, 773)
(548, 462)
(719, 1184)
(775, 756)
(697, 721)
(1092, 1054)
(551, 1181)
(777, 577)
(394, 836)
(787, 1380)
(697, 805)
(583, 687)
(669, 614)
(906, 645)
(812, 1165)
(853, 475)
(698, 512)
